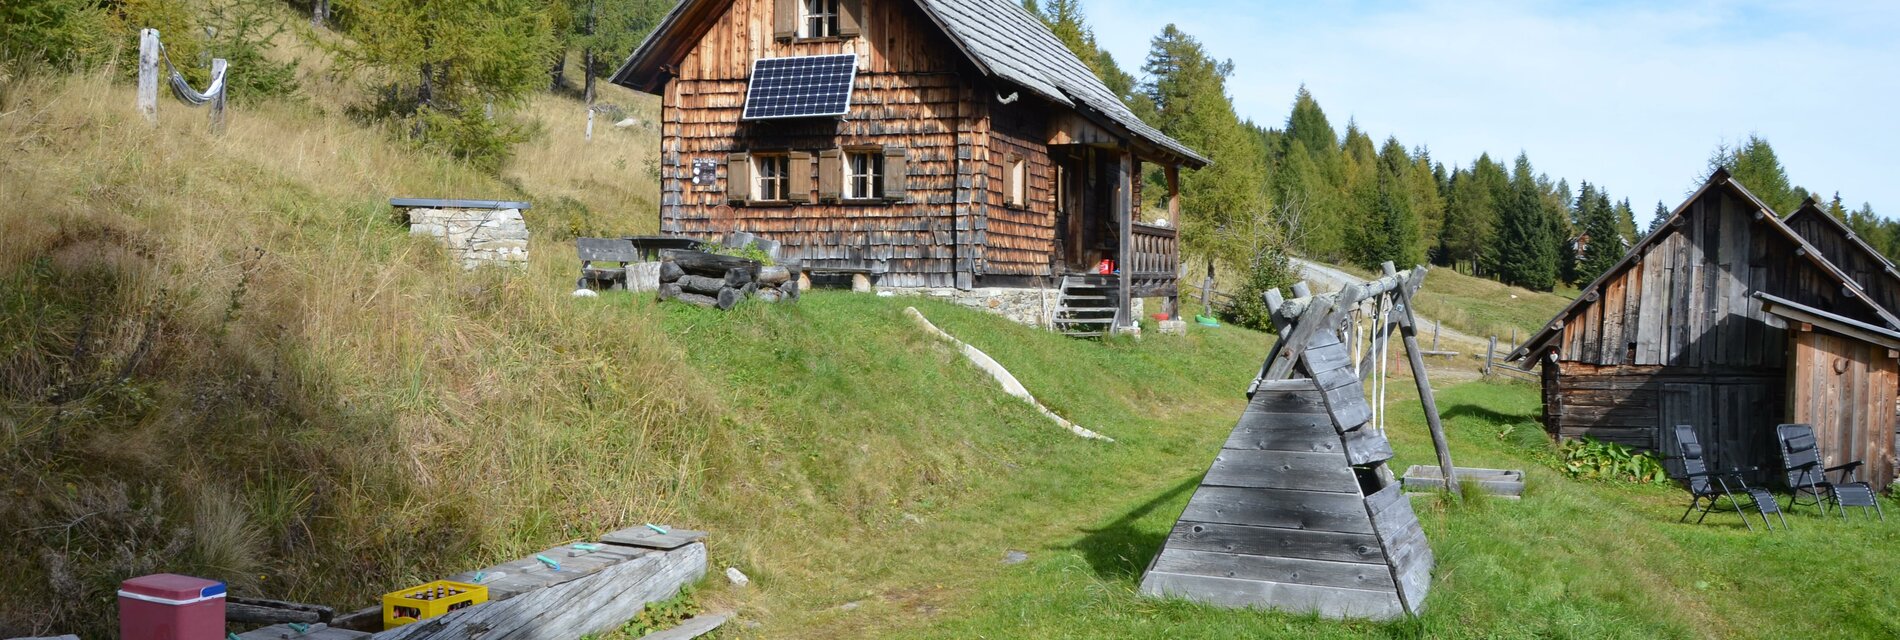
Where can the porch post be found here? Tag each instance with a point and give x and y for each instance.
(1174, 222)
(1125, 212)
(1174, 196)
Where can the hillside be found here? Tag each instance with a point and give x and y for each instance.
(223, 356)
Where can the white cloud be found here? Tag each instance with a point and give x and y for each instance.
(1630, 96)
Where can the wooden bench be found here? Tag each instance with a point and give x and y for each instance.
(604, 250)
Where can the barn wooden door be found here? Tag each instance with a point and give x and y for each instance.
(1734, 422)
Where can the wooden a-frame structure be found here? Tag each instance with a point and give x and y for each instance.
(1299, 511)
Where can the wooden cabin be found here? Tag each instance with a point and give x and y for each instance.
(1726, 319)
(974, 150)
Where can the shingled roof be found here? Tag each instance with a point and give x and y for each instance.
(1004, 42)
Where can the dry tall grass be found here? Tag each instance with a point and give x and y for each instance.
(221, 355)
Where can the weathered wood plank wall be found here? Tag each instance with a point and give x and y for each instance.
(1676, 338)
(1845, 388)
(1833, 240)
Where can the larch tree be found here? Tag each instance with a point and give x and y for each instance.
(1754, 164)
(1188, 89)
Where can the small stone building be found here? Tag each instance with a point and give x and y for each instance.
(476, 232)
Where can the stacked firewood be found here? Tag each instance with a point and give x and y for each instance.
(712, 280)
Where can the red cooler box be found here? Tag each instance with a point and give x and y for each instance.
(168, 606)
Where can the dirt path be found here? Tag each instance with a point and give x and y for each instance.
(1444, 370)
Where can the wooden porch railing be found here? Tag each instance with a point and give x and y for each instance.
(1153, 265)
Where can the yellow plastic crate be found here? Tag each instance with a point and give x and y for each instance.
(429, 600)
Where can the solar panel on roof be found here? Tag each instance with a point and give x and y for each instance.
(800, 87)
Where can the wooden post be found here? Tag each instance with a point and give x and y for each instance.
(1174, 196)
(1488, 351)
(1409, 330)
(1125, 211)
(148, 75)
(1435, 325)
(1207, 289)
(217, 102)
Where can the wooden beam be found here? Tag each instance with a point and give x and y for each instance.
(1409, 330)
(1174, 196)
(1125, 212)
(593, 603)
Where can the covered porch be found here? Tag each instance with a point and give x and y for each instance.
(1098, 217)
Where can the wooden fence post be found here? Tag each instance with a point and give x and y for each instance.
(1435, 325)
(148, 75)
(1487, 354)
(217, 101)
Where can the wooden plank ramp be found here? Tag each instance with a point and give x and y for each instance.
(1283, 519)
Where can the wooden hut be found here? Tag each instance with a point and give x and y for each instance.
(1726, 319)
(973, 149)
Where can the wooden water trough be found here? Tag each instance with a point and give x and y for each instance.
(1504, 483)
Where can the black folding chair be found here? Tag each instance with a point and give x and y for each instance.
(1711, 486)
(1801, 456)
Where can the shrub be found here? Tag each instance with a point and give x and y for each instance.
(65, 33)
(1593, 459)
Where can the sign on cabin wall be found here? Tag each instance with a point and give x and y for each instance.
(705, 173)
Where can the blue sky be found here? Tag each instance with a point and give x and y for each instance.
(1629, 95)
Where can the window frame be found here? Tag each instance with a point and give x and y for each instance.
(874, 159)
(782, 161)
(832, 21)
(1018, 179)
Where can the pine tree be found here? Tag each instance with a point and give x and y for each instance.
(1310, 176)
(1603, 243)
(1391, 231)
(1754, 165)
(1661, 215)
(1527, 255)
(455, 61)
(1426, 199)
(1188, 89)
(1626, 223)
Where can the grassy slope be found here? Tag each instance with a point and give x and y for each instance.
(348, 413)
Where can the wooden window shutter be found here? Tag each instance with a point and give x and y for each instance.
(738, 177)
(896, 174)
(785, 19)
(830, 175)
(849, 12)
(798, 183)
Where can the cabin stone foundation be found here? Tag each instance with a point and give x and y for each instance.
(475, 237)
(1035, 307)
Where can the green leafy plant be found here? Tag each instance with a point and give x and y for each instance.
(662, 615)
(750, 252)
(1593, 459)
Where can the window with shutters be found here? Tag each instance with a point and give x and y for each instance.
(864, 174)
(821, 19)
(1018, 175)
(772, 177)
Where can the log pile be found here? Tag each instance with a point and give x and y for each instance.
(721, 282)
